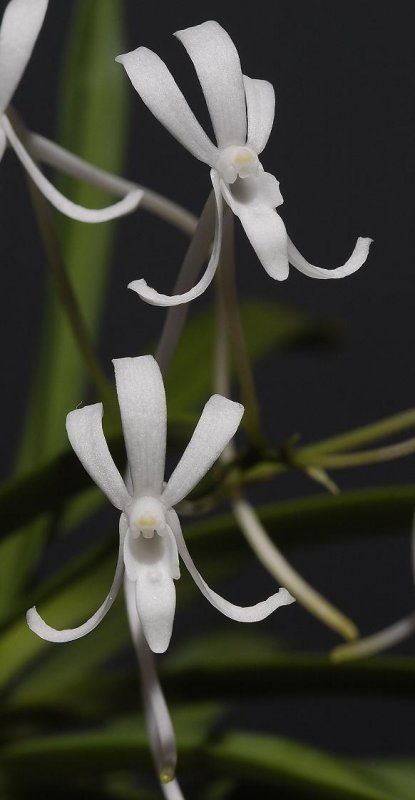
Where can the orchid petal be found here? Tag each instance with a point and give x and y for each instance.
(219, 421)
(42, 629)
(142, 401)
(20, 27)
(152, 564)
(159, 91)
(153, 297)
(260, 109)
(252, 200)
(84, 429)
(358, 257)
(238, 613)
(58, 200)
(218, 68)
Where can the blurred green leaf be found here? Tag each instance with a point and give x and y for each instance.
(283, 762)
(70, 679)
(263, 760)
(69, 605)
(232, 675)
(93, 94)
(394, 775)
(123, 745)
(307, 520)
(268, 326)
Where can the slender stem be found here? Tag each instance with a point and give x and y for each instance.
(55, 156)
(377, 642)
(277, 565)
(227, 282)
(360, 459)
(196, 254)
(364, 435)
(387, 637)
(67, 297)
(257, 537)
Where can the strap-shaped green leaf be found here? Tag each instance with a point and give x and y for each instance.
(92, 123)
(309, 771)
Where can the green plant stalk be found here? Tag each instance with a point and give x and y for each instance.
(381, 429)
(254, 532)
(226, 275)
(69, 304)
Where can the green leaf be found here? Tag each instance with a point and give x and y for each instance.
(66, 607)
(262, 760)
(93, 95)
(70, 680)
(123, 745)
(222, 664)
(307, 520)
(268, 326)
(281, 762)
(395, 776)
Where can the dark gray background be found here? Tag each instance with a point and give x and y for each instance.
(343, 148)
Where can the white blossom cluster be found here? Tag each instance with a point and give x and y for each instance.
(150, 535)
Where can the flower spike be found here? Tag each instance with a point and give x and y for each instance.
(150, 534)
(242, 113)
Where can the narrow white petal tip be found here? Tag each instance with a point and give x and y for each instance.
(285, 597)
(278, 273)
(44, 631)
(356, 260)
(159, 645)
(139, 285)
(150, 295)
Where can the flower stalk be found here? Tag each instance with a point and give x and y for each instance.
(68, 300)
(387, 637)
(279, 567)
(255, 534)
(232, 319)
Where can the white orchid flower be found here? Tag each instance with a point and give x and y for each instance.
(19, 30)
(151, 538)
(242, 113)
